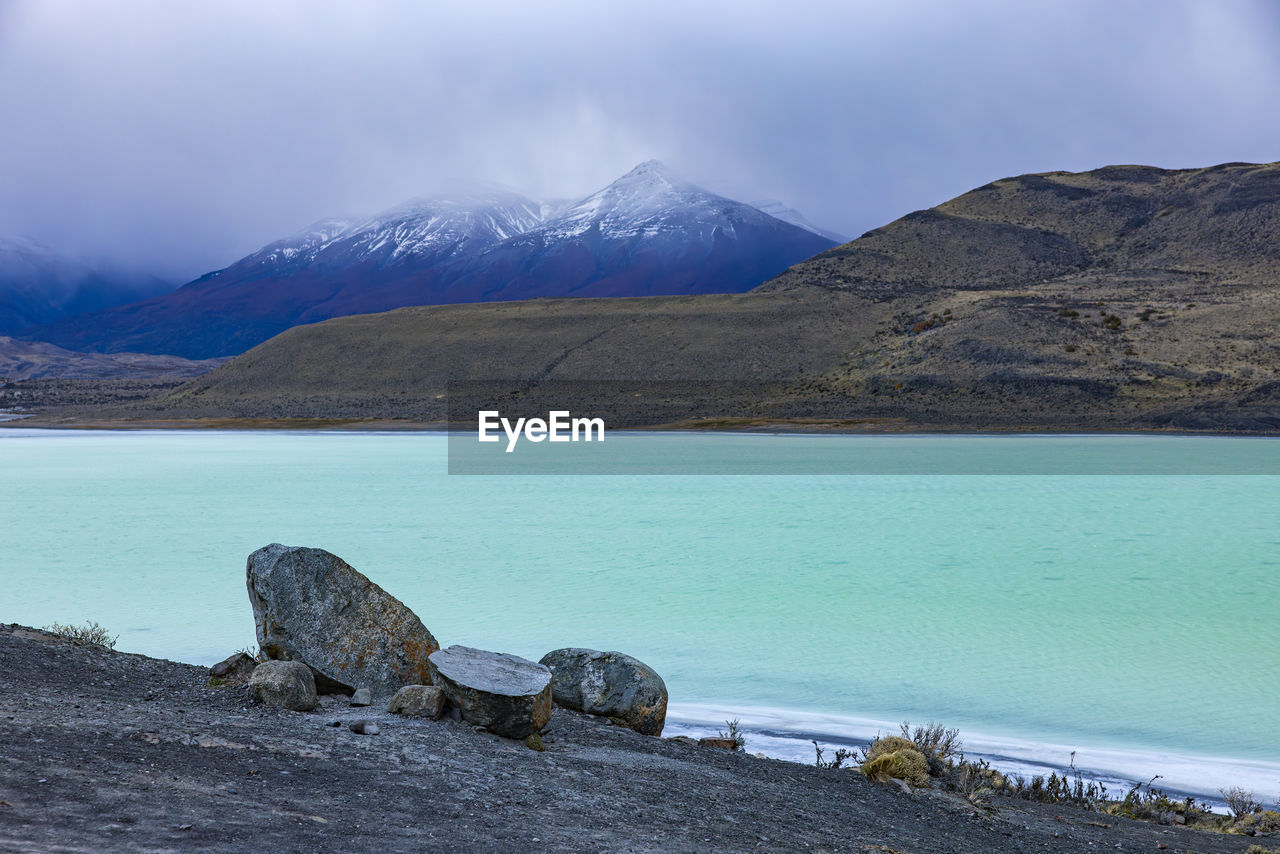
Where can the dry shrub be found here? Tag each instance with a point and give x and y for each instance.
(890, 756)
(90, 633)
(908, 765)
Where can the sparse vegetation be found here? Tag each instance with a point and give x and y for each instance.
(841, 756)
(89, 633)
(734, 732)
(938, 744)
(1260, 822)
(1240, 802)
(933, 754)
(254, 651)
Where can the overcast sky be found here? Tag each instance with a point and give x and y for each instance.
(179, 136)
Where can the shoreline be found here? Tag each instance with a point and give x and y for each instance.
(111, 751)
(384, 428)
(787, 734)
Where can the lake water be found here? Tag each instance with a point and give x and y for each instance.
(1132, 619)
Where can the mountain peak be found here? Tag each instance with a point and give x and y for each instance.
(652, 171)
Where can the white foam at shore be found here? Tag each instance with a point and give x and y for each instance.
(788, 734)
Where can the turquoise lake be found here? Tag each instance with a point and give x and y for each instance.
(1131, 618)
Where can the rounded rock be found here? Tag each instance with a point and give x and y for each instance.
(610, 684)
(284, 684)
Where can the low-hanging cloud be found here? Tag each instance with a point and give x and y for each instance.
(178, 136)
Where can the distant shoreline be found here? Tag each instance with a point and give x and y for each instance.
(772, 428)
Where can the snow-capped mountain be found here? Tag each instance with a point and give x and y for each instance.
(648, 201)
(40, 285)
(647, 233)
(420, 230)
(778, 210)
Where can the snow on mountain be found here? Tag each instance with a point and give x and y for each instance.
(649, 232)
(646, 202)
(778, 210)
(421, 229)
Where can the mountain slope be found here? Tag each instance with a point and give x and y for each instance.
(1220, 222)
(1124, 298)
(24, 360)
(39, 285)
(647, 233)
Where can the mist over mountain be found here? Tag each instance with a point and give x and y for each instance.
(648, 233)
(40, 285)
(778, 210)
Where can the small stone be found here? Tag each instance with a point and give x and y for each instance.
(362, 697)
(363, 727)
(683, 739)
(286, 684)
(235, 669)
(721, 743)
(425, 701)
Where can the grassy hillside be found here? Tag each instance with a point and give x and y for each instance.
(1127, 297)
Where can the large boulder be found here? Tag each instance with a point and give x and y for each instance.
(503, 693)
(610, 684)
(286, 684)
(311, 606)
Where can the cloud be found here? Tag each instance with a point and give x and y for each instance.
(178, 137)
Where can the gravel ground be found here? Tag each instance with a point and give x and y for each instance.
(106, 751)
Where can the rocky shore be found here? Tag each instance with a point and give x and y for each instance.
(352, 729)
(108, 751)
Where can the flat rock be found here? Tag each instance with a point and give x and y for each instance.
(235, 669)
(286, 684)
(362, 697)
(364, 727)
(609, 684)
(503, 693)
(312, 606)
(425, 701)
